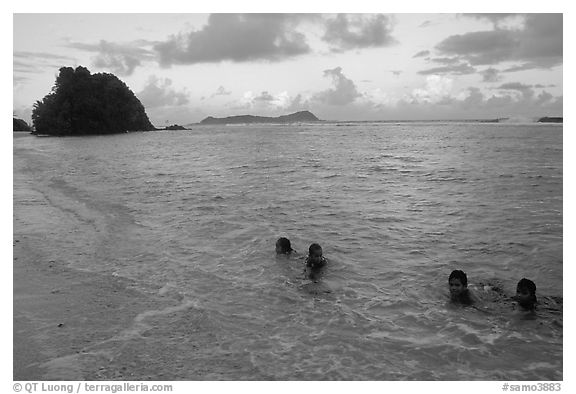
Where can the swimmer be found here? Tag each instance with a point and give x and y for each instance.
(315, 262)
(526, 294)
(458, 286)
(283, 246)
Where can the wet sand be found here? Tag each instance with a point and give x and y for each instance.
(75, 325)
(62, 318)
(68, 323)
(72, 321)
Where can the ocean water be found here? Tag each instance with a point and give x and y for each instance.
(396, 207)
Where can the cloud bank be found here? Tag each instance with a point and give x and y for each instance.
(345, 31)
(159, 93)
(121, 59)
(237, 38)
(344, 91)
(536, 44)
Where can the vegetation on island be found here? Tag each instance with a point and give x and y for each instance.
(302, 116)
(551, 119)
(20, 125)
(175, 127)
(81, 103)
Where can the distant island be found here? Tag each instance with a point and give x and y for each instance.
(175, 127)
(548, 119)
(82, 103)
(302, 116)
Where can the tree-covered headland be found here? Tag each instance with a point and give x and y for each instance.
(81, 103)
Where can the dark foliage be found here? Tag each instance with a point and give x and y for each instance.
(549, 119)
(175, 127)
(20, 125)
(81, 103)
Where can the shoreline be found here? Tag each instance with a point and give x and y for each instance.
(62, 316)
(68, 323)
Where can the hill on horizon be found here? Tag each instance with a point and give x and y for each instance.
(301, 116)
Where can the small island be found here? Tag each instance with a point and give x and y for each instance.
(297, 117)
(82, 103)
(175, 127)
(551, 119)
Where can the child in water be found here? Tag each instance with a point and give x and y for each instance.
(458, 286)
(315, 262)
(526, 294)
(283, 246)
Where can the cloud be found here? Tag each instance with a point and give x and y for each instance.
(471, 104)
(264, 96)
(37, 62)
(436, 99)
(23, 112)
(25, 67)
(298, 103)
(482, 47)
(436, 89)
(522, 67)
(40, 56)
(446, 60)
(526, 90)
(459, 69)
(266, 102)
(344, 91)
(422, 54)
(527, 104)
(515, 86)
(537, 43)
(238, 38)
(19, 79)
(345, 31)
(377, 98)
(121, 59)
(159, 93)
(491, 75)
(496, 19)
(220, 92)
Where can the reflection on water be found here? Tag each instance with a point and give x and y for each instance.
(395, 208)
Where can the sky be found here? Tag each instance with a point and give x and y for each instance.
(340, 66)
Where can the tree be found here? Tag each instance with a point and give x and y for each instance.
(81, 103)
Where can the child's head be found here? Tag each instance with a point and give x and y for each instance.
(315, 250)
(457, 283)
(283, 246)
(314, 254)
(526, 293)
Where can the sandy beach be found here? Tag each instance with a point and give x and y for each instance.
(74, 325)
(66, 320)
(61, 316)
